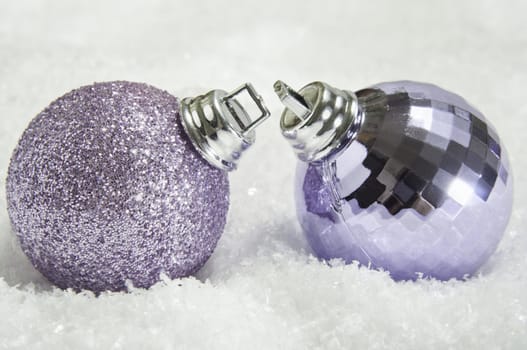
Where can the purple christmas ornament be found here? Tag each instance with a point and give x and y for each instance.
(105, 186)
(402, 176)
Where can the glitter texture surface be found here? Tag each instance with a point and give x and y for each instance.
(410, 192)
(104, 187)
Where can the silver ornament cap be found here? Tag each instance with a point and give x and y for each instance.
(220, 127)
(318, 119)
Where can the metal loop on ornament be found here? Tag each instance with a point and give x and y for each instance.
(257, 99)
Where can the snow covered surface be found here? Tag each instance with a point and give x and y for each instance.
(262, 289)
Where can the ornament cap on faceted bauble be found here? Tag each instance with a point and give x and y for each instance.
(318, 119)
(219, 127)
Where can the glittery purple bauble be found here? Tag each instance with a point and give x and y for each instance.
(424, 187)
(104, 187)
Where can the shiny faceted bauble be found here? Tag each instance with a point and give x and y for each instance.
(423, 187)
(105, 188)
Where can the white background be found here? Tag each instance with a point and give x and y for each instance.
(262, 289)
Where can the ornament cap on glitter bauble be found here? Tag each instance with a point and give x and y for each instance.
(402, 176)
(120, 182)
